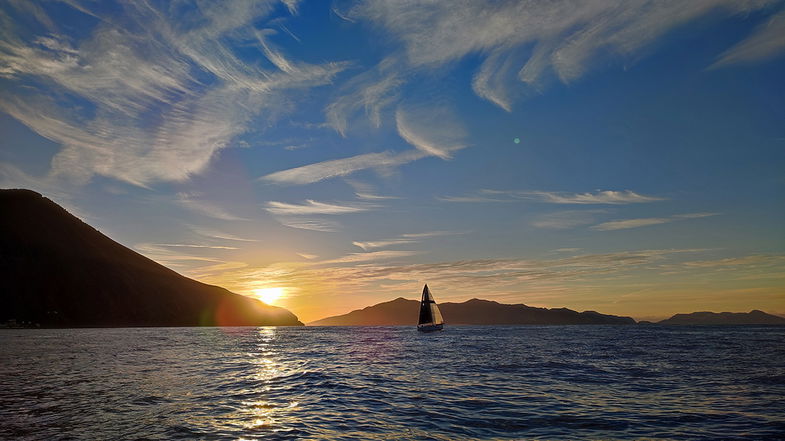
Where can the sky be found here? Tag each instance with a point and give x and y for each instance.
(625, 156)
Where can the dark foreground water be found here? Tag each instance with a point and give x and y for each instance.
(532, 382)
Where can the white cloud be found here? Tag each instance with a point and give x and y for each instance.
(630, 223)
(292, 5)
(194, 203)
(366, 191)
(767, 41)
(374, 197)
(598, 197)
(371, 91)
(141, 62)
(165, 256)
(307, 223)
(751, 261)
(694, 215)
(311, 207)
(429, 234)
(636, 223)
(217, 234)
(532, 38)
(319, 171)
(309, 215)
(562, 220)
(406, 238)
(470, 199)
(432, 130)
(382, 243)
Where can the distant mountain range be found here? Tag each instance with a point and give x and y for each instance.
(753, 317)
(403, 312)
(57, 271)
(472, 312)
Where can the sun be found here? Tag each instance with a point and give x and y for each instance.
(269, 295)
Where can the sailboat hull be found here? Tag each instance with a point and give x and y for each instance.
(430, 328)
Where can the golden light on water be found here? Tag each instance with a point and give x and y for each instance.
(269, 295)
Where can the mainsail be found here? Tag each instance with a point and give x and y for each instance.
(429, 312)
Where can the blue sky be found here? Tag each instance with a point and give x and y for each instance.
(622, 156)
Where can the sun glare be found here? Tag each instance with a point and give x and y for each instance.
(269, 295)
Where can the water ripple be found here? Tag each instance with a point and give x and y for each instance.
(390, 383)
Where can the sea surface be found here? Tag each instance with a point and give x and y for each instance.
(370, 383)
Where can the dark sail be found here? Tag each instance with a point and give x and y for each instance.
(425, 307)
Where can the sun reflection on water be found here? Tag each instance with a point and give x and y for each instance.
(270, 411)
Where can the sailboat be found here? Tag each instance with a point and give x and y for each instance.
(430, 316)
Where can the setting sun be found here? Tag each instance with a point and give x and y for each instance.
(269, 295)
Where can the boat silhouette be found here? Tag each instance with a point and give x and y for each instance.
(430, 317)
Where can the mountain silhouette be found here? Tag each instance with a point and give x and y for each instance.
(57, 271)
(472, 312)
(754, 317)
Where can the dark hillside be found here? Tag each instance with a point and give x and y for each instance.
(58, 271)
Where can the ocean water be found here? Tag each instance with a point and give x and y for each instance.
(368, 383)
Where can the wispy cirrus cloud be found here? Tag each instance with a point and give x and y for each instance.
(366, 191)
(382, 243)
(309, 223)
(368, 257)
(599, 197)
(527, 44)
(630, 223)
(371, 91)
(218, 235)
(767, 41)
(189, 245)
(644, 222)
(315, 207)
(406, 238)
(471, 199)
(375, 197)
(163, 254)
(320, 171)
(196, 203)
(751, 261)
(144, 95)
(563, 220)
(432, 130)
(310, 215)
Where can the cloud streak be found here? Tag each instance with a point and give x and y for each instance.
(432, 130)
(599, 197)
(207, 208)
(767, 41)
(310, 214)
(315, 207)
(308, 174)
(562, 220)
(644, 222)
